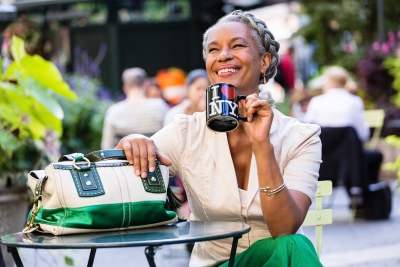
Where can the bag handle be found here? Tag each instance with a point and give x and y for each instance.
(105, 154)
(96, 155)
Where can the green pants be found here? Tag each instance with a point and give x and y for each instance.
(284, 251)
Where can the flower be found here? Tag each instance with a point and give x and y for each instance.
(390, 47)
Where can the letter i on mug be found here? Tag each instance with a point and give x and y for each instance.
(222, 109)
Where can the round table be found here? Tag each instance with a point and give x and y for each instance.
(183, 232)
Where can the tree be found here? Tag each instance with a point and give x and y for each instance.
(341, 29)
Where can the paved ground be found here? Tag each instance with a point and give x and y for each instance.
(361, 243)
(346, 244)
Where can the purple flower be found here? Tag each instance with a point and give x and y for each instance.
(385, 48)
(376, 46)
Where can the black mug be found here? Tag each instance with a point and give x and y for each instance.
(222, 109)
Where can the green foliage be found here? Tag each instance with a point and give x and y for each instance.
(29, 112)
(333, 24)
(393, 66)
(327, 26)
(393, 140)
(83, 122)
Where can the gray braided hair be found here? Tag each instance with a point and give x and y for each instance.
(259, 30)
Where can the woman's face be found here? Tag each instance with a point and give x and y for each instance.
(233, 57)
(197, 93)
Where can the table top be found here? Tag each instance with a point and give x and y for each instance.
(183, 232)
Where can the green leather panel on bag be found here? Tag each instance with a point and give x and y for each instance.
(154, 183)
(87, 182)
(107, 216)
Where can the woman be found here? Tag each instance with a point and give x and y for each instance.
(227, 176)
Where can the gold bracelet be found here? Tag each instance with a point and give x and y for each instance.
(270, 191)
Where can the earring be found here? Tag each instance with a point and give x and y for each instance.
(264, 92)
(263, 86)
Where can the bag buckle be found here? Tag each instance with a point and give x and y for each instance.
(80, 157)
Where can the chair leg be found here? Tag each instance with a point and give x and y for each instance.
(318, 236)
(353, 207)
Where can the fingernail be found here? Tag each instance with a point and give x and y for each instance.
(131, 162)
(144, 174)
(137, 172)
(151, 169)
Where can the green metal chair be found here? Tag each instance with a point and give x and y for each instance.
(319, 216)
(375, 119)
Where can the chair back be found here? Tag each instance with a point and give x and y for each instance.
(375, 119)
(319, 216)
(342, 157)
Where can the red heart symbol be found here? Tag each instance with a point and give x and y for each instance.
(228, 91)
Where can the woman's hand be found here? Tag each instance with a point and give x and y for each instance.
(259, 118)
(142, 153)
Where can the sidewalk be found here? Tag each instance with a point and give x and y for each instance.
(345, 244)
(362, 243)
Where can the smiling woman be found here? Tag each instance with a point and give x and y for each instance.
(266, 168)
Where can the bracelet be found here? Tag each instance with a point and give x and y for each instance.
(270, 191)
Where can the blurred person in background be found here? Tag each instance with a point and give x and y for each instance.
(136, 113)
(172, 83)
(337, 106)
(352, 87)
(153, 89)
(300, 101)
(195, 101)
(286, 75)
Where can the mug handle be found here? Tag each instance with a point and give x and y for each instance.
(240, 117)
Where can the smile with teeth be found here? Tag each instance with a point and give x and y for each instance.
(227, 70)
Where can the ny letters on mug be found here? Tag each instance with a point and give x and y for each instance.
(222, 107)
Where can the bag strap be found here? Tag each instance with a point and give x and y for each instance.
(96, 155)
(70, 157)
(105, 154)
(37, 201)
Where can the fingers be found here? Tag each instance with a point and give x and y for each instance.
(142, 153)
(253, 105)
(141, 159)
(163, 159)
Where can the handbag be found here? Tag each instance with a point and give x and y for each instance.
(98, 191)
(377, 201)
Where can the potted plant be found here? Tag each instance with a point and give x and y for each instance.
(30, 115)
(31, 123)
